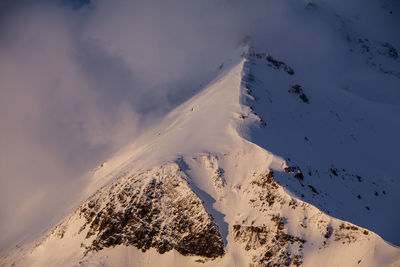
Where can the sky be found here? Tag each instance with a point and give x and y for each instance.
(79, 79)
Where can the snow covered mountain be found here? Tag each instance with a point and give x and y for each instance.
(198, 190)
(272, 163)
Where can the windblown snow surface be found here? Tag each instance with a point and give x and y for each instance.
(272, 163)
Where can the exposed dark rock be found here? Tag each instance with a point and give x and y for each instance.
(271, 244)
(265, 180)
(263, 124)
(297, 172)
(313, 189)
(266, 190)
(272, 62)
(390, 51)
(219, 179)
(297, 89)
(161, 213)
(279, 222)
(276, 64)
(346, 233)
(334, 171)
(299, 175)
(329, 231)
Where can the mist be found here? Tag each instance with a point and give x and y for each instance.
(80, 80)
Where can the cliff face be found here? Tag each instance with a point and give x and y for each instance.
(155, 209)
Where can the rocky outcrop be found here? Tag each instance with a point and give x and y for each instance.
(298, 90)
(270, 244)
(271, 241)
(155, 209)
(271, 62)
(274, 246)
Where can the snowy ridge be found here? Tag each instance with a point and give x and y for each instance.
(200, 189)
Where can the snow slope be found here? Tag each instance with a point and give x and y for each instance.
(202, 175)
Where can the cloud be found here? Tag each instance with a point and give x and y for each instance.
(55, 122)
(79, 83)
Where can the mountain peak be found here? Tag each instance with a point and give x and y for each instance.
(208, 185)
